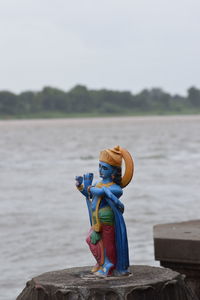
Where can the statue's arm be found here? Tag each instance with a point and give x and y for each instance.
(94, 191)
(112, 195)
(116, 190)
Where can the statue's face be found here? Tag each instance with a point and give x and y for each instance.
(105, 170)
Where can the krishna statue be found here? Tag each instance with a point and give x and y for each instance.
(107, 238)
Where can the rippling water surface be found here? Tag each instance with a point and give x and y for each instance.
(43, 218)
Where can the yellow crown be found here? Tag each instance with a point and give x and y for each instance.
(112, 157)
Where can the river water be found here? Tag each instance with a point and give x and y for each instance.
(43, 218)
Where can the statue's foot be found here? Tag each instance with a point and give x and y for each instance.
(95, 268)
(105, 270)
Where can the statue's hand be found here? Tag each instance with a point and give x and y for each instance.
(79, 180)
(88, 179)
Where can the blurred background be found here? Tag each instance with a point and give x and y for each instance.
(76, 78)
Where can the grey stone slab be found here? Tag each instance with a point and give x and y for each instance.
(178, 242)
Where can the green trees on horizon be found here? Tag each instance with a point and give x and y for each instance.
(82, 100)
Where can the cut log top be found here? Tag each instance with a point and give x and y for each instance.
(144, 282)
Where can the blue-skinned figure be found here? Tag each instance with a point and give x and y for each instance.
(107, 238)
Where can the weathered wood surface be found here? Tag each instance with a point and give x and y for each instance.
(144, 283)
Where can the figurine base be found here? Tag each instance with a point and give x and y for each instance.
(144, 282)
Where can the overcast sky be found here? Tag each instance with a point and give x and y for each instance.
(113, 44)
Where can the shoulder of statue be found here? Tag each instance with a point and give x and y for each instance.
(115, 186)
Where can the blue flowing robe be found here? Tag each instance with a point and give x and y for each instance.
(120, 231)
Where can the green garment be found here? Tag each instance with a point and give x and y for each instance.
(106, 217)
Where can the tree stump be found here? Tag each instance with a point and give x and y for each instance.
(143, 283)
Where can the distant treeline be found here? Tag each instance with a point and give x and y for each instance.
(80, 100)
